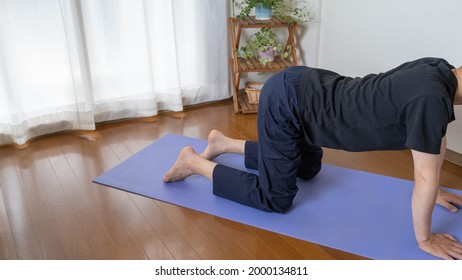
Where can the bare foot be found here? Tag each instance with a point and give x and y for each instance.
(182, 167)
(216, 145)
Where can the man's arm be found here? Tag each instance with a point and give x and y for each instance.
(447, 199)
(427, 169)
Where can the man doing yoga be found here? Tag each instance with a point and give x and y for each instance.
(303, 109)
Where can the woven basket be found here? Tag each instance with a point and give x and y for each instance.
(253, 91)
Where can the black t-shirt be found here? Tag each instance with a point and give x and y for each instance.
(408, 107)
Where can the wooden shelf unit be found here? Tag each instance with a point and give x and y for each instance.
(240, 65)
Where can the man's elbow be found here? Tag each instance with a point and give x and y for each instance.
(426, 177)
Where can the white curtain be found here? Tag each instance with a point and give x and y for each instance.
(68, 64)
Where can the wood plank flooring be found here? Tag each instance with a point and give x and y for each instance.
(50, 209)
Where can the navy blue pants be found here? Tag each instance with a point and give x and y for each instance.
(281, 154)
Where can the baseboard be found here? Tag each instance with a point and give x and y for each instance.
(454, 157)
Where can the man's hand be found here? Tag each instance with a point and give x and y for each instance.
(449, 200)
(443, 246)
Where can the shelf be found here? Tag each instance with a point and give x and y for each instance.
(245, 106)
(251, 22)
(253, 65)
(238, 65)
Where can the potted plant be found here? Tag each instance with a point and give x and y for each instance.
(262, 45)
(287, 10)
(263, 8)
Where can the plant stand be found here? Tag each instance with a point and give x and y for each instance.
(240, 65)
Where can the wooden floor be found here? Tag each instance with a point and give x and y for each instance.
(50, 209)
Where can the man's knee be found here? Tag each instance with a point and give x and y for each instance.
(281, 204)
(309, 172)
(310, 163)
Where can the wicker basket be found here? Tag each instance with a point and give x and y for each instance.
(253, 91)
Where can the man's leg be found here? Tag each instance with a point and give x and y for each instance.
(310, 159)
(310, 162)
(280, 142)
(187, 164)
(219, 144)
(251, 154)
(278, 150)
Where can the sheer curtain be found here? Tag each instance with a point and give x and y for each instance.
(68, 64)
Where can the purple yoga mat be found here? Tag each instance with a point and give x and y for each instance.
(354, 211)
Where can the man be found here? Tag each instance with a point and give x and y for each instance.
(303, 109)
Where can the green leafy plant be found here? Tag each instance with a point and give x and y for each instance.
(287, 10)
(261, 41)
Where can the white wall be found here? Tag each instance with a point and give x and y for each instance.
(357, 37)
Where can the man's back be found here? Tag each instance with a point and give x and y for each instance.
(386, 111)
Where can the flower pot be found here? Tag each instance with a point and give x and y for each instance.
(253, 90)
(262, 13)
(267, 55)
